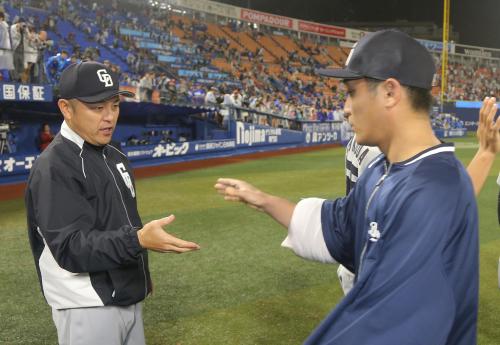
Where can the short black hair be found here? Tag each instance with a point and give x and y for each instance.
(420, 98)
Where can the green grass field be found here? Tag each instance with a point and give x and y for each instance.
(241, 287)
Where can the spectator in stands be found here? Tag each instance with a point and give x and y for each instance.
(211, 97)
(71, 38)
(32, 42)
(226, 110)
(45, 137)
(17, 36)
(131, 58)
(338, 113)
(237, 98)
(163, 81)
(197, 94)
(167, 137)
(6, 63)
(39, 75)
(55, 65)
(171, 91)
(183, 91)
(146, 87)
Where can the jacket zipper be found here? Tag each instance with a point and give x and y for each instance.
(130, 223)
(377, 187)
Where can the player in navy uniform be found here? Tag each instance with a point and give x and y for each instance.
(357, 158)
(408, 229)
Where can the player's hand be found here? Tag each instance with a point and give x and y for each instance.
(152, 236)
(488, 129)
(237, 190)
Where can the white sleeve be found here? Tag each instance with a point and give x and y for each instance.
(498, 179)
(305, 234)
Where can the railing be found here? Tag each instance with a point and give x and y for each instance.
(234, 113)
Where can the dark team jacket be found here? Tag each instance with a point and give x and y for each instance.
(82, 223)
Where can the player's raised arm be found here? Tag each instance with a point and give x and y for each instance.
(236, 190)
(489, 144)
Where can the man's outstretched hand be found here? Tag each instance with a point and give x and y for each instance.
(237, 190)
(152, 236)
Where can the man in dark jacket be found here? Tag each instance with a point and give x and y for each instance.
(87, 238)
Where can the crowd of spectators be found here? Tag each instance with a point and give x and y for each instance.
(284, 86)
(472, 81)
(22, 48)
(446, 121)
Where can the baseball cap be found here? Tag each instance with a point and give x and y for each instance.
(90, 82)
(388, 54)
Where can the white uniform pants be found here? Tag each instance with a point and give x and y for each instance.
(109, 325)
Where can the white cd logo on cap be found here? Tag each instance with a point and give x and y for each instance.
(350, 54)
(105, 77)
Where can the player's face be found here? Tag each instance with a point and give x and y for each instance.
(94, 122)
(362, 109)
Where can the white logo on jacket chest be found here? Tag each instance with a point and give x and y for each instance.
(126, 178)
(373, 232)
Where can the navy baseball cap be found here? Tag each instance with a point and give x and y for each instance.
(90, 82)
(388, 54)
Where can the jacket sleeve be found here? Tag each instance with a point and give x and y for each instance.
(66, 221)
(338, 227)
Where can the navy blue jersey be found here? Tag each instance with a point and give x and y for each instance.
(410, 233)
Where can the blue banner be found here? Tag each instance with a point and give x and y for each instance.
(450, 133)
(186, 148)
(322, 133)
(25, 92)
(16, 164)
(255, 135)
(212, 75)
(137, 33)
(169, 58)
(190, 73)
(206, 81)
(435, 45)
(470, 104)
(149, 45)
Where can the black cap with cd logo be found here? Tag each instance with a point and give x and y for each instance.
(388, 54)
(90, 82)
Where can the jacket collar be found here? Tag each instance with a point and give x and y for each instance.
(70, 134)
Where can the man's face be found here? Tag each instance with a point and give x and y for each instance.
(94, 122)
(362, 109)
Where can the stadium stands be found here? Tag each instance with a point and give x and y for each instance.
(200, 54)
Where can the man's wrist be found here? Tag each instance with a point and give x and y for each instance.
(264, 201)
(140, 234)
(485, 154)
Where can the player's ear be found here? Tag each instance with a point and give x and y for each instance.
(391, 91)
(66, 108)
